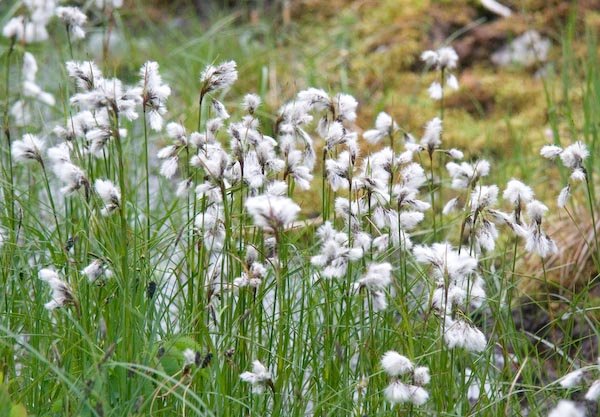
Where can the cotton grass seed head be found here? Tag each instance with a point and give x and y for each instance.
(484, 196)
(572, 379)
(566, 408)
(110, 195)
(259, 377)
(250, 103)
(384, 126)
(74, 19)
(421, 376)
(593, 393)
(272, 213)
(97, 271)
(29, 29)
(460, 334)
(395, 364)
(435, 91)
(29, 148)
(62, 294)
(377, 276)
(154, 94)
(536, 211)
(443, 58)
(219, 77)
(86, 74)
(574, 155)
(72, 176)
(345, 106)
(398, 392)
(517, 192)
(432, 137)
(315, 99)
(551, 151)
(563, 196)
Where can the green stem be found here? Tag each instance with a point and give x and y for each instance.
(127, 333)
(49, 192)
(324, 196)
(200, 111)
(123, 204)
(69, 42)
(147, 181)
(432, 193)
(442, 81)
(11, 191)
(592, 213)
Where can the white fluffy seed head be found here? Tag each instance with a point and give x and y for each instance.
(551, 151)
(107, 190)
(169, 167)
(572, 379)
(251, 102)
(394, 364)
(345, 106)
(432, 137)
(29, 148)
(566, 408)
(218, 77)
(574, 155)
(461, 334)
(578, 175)
(385, 123)
(377, 276)
(536, 210)
(435, 91)
(272, 212)
(259, 377)
(452, 82)
(418, 395)
(48, 275)
(455, 153)
(517, 192)
(563, 197)
(450, 206)
(593, 393)
(447, 57)
(421, 376)
(61, 291)
(397, 393)
(110, 195)
(484, 196)
(189, 357)
(74, 18)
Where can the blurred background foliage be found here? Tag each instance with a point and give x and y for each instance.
(371, 49)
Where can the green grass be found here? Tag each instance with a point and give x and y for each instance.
(118, 350)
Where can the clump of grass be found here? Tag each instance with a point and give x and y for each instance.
(178, 274)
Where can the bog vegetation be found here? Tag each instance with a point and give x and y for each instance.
(241, 260)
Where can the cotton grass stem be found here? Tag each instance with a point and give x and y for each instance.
(11, 178)
(52, 205)
(590, 199)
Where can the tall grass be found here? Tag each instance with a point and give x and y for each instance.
(195, 286)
